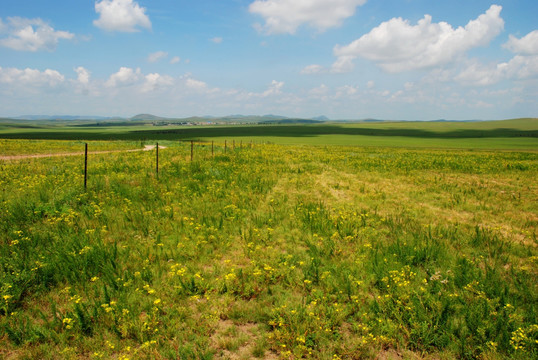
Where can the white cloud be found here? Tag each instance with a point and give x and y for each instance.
(175, 60)
(285, 16)
(524, 65)
(124, 77)
(31, 35)
(83, 75)
(319, 91)
(156, 81)
(156, 56)
(346, 90)
(274, 89)
(195, 84)
(397, 46)
(127, 80)
(32, 77)
(476, 73)
(121, 15)
(312, 69)
(521, 67)
(527, 45)
(370, 84)
(343, 64)
(217, 40)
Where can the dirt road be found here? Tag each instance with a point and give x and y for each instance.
(33, 156)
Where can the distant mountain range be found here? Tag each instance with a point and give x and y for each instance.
(62, 117)
(321, 118)
(235, 118)
(150, 117)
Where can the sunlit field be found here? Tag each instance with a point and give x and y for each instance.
(268, 251)
(515, 134)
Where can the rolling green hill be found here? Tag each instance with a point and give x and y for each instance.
(515, 133)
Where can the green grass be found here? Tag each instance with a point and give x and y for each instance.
(508, 134)
(306, 251)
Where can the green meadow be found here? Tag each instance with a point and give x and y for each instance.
(329, 241)
(507, 134)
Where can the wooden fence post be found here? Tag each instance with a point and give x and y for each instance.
(157, 160)
(85, 165)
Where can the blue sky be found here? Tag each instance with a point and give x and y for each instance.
(346, 59)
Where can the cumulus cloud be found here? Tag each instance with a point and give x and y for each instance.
(195, 84)
(398, 46)
(343, 64)
(312, 69)
(319, 91)
(523, 66)
(527, 45)
(156, 56)
(31, 77)
(175, 60)
(476, 73)
(346, 90)
(274, 89)
(124, 77)
(156, 81)
(217, 40)
(83, 75)
(30, 35)
(324, 93)
(285, 16)
(121, 15)
(129, 80)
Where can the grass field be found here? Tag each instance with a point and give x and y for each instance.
(271, 251)
(509, 134)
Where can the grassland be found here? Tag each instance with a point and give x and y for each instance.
(272, 251)
(509, 134)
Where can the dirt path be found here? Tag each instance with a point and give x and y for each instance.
(35, 156)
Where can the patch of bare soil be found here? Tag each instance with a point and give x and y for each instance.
(236, 341)
(392, 354)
